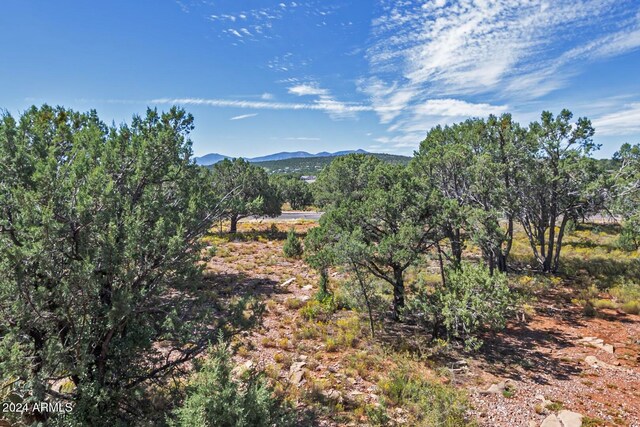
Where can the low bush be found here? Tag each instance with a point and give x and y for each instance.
(292, 246)
(473, 300)
(318, 309)
(216, 398)
(603, 304)
(631, 307)
(429, 402)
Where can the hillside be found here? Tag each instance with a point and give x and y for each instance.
(212, 158)
(313, 165)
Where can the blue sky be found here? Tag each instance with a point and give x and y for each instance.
(262, 76)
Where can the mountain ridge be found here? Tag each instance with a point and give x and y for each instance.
(212, 158)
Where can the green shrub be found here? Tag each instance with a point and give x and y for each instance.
(431, 403)
(629, 239)
(318, 309)
(603, 304)
(631, 307)
(626, 292)
(292, 246)
(471, 301)
(215, 398)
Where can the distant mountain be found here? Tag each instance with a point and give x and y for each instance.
(212, 158)
(313, 165)
(209, 159)
(282, 155)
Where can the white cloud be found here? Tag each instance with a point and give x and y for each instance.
(301, 138)
(243, 116)
(623, 122)
(456, 108)
(468, 47)
(431, 61)
(328, 107)
(267, 96)
(307, 90)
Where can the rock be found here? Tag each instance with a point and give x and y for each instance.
(597, 343)
(533, 424)
(286, 283)
(551, 421)
(297, 373)
(240, 369)
(297, 377)
(593, 361)
(570, 419)
(498, 388)
(297, 366)
(333, 395)
(495, 389)
(307, 288)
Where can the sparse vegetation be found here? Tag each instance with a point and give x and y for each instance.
(292, 246)
(216, 398)
(486, 235)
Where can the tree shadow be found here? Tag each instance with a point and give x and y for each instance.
(227, 285)
(519, 348)
(608, 271)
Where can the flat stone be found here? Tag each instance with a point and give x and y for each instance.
(551, 421)
(334, 395)
(597, 343)
(570, 419)
(286, 283)
(297, 377)
(297, 366)
(593, 361)
(495, 388)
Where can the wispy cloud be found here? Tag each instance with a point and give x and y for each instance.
(241, 24)
(326, 106)
(467, 47)
(243, 116)
(432, 61)
(301, 138)
(308, 90)
(336, 109)
(623, 122)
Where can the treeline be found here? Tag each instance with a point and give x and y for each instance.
(314, 165)
(469, 183)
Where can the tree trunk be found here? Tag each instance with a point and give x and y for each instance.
(324, 280)
(398, 293)
(556, 257)
(456, 248)
(363, 287)
(442, 276)
(234, 225)
(503, 255)
(548, 257)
